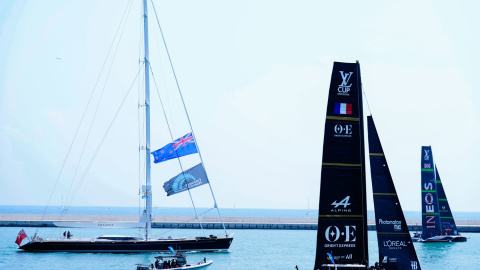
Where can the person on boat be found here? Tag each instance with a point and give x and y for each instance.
(68, 235)
(204, 260)
(64, 234)
(157, 264)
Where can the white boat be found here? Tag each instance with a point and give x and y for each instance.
(174, 262)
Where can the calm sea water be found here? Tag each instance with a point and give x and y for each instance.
(251, 249)
(178, 211)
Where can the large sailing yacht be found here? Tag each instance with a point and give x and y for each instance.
(122, 243)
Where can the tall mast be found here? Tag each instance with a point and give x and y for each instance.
(362, 159)
(148, 190)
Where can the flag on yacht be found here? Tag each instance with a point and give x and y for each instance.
(21, 235)
(180, 147)
(188, 179)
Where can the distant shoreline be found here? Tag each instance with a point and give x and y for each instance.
(209, 222)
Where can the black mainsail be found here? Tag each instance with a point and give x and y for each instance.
(395, 246)
(342, 220)
(446, 218)
(430, 214)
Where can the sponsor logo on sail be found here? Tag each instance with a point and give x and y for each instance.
(344, 87)
(334, 233)
(343, 108)
(427, 155)
(344, 203)
(344, 131)
(414, 265)
(397, 224)
(429, 206)
(394, 244)
(387, 259)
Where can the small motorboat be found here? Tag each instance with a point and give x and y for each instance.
(177, 261)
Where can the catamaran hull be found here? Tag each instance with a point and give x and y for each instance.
(184, 245)
(444, 238)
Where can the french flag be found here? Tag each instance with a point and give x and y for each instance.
(343, 108)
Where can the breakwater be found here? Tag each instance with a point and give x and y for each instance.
(273, 223)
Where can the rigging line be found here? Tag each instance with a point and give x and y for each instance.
(83, 116)
(178, 158)
(188, 117)
(104, 137)
(365, 94)
(99, 100)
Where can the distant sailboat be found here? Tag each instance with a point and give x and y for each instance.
(308, 207)
(438, 224)
(342, 237)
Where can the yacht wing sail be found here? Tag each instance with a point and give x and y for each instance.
(395, 246)
(430, 214)
(342, 207)
(447, 222)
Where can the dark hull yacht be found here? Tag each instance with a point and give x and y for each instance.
(127, 244)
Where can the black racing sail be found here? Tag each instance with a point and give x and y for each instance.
(430, 214)
(395, 246)
(446, 218)
(342, 228)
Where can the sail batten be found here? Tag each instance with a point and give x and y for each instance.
(395, 246)
(342, 206)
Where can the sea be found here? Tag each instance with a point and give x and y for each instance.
(251, 249)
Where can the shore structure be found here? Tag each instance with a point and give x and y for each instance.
(275, 223)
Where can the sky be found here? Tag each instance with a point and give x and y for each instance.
(254, 76)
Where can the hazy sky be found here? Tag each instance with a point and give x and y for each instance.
(255, 78)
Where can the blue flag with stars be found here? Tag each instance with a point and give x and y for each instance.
(180, 147)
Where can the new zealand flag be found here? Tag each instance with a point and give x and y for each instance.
(180, 147)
